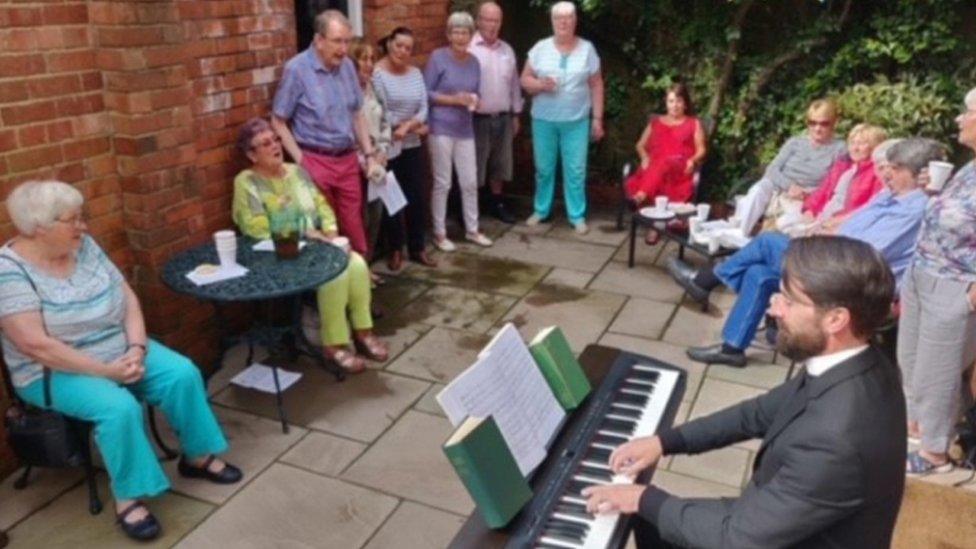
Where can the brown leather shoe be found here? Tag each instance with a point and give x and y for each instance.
(395, 261)
(423, 259)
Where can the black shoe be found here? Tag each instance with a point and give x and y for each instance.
(143, 530)
(684, 275)
(228, 475)
(501, 213)
(772, 330)
(714, 354)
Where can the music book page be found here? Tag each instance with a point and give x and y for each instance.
(506, 384)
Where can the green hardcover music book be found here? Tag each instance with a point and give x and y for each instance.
(482, 459)
(559, 366)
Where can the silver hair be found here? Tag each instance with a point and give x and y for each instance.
(324, 19)
(36, 204)
(460, 20)
(915, 153)
(970, 99)
(562, 8)
(880, 153)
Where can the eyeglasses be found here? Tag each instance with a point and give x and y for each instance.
(820, 123)
(266, 143)
(783, 297)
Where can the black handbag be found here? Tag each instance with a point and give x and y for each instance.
(39, 436)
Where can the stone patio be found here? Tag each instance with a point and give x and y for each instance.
(362, 465)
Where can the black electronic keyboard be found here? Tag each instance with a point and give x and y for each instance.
(636, 397)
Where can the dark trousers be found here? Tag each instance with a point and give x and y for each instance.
(409, 170)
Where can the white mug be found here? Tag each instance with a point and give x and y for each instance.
(661, 203)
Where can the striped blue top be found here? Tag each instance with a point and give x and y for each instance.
(572, 100)
(85, 310)
(403, 96)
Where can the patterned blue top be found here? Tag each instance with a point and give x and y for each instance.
(572, 100)
(947, 246)
(321, 103)
(85, 310)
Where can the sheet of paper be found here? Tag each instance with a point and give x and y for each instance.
(389, 192)
(261, 378)
(267, 245)
(506, 383)
(222, 273)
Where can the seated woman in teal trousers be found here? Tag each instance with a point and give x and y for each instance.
(66, 307)
(271, 185)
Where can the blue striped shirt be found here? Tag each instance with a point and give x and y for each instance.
(404, 97)
(85, 310)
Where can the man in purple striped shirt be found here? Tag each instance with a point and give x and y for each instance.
(317, 113)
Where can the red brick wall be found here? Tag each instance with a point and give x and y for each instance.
(426, 18)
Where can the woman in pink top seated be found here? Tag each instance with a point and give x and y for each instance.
(850, 183)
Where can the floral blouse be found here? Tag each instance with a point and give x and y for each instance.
(947, 245)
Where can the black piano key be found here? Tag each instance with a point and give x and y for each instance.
(575, 487)
(642, 389)
(567, 525)
(573, 509)
(598, 455)
(610, 440)
(619, 425)
(561, 537)
(598, 474)
(631, 398)
(647, 375)
(627, 412)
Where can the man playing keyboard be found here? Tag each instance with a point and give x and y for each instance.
(831, 468)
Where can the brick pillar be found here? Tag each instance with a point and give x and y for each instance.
(144, 57)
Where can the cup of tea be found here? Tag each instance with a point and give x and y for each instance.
(703, 211)
(661, 203)
(226, 244)
(939, 173)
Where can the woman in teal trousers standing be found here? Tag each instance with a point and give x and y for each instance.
(64, 306)
(563, 76)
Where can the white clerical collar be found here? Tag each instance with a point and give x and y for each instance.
(818, 365)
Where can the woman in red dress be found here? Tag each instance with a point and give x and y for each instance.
(670, 150)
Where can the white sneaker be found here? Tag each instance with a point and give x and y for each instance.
(478, 239)
(444, 245)
(581, 228)
(533, 220)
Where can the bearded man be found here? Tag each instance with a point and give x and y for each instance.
(831, 468)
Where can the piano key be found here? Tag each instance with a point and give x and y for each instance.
(642, 382)
(576, 486)
(625, 397)
(636, 388)
(624, 419)
(610, 439)
(571, 508)
(617, 425)
(644, 372)
(598, 454)
(548, 546)
(567, 541)
(602, 466)
(593, 472)
(626, 411)
(577, 530)
(552, 542)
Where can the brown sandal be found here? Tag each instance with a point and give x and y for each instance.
(346, 359)
(372, 347)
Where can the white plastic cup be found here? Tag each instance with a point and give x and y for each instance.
(713, 245)
(342, 243)
(661, 203)
(939, 173)
(693, 223)
(703, 211)
(226, 244)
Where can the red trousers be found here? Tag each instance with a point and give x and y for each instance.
(339, 179)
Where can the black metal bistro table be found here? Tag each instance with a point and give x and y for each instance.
(269, 279)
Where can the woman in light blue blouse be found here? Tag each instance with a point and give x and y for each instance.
(563, 76)
(65, 307)
(937, 326)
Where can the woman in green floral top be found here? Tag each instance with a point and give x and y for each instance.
(270, 185)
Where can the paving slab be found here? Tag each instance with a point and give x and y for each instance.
(323, 453)
(643, 318)
(66, 522)
(716, 394)
(725, 465)
(643, 254)
(428, 403)
(568, 277)
(583, 315)
(554, 252)
(693, 327)
(455, 308)
(641, 281)
(361, 407)
(440, 355)
(664, 352)
(415, 526)
(255, 442)
(482, 273)
(408, 461)
(43, 487)
(756, 374)
(290, 507)
(602, 231)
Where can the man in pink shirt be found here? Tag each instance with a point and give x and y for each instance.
(496, 120)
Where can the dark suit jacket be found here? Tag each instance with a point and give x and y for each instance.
(830, 471)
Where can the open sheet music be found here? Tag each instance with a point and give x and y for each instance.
(506, 383)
